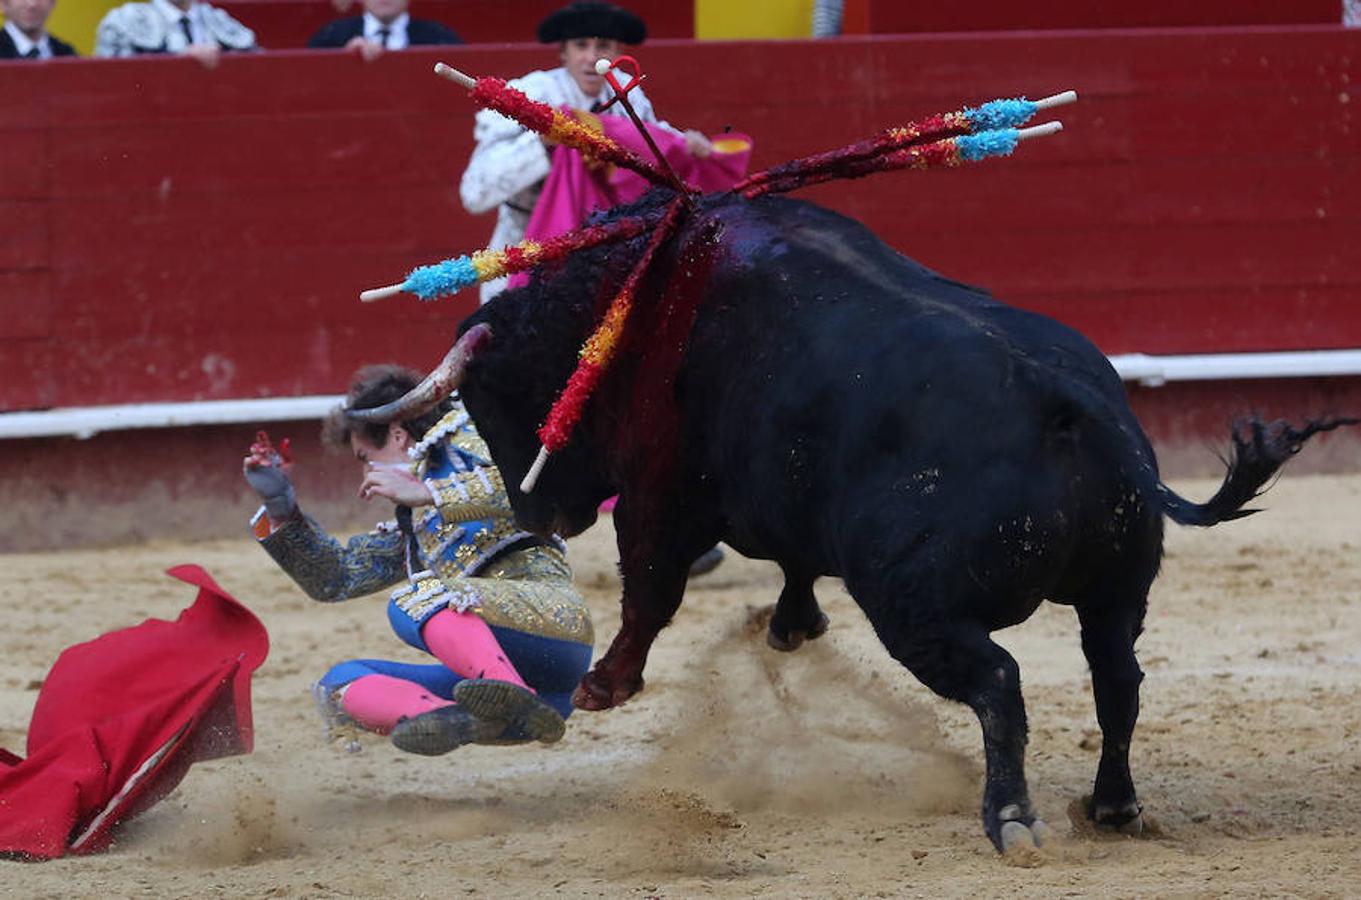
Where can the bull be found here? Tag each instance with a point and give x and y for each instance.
(794, 387)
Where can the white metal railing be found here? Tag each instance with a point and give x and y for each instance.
(1153, 371)
(87, 421)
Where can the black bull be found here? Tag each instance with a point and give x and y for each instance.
(794, 387)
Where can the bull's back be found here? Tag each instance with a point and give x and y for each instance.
(845, 386)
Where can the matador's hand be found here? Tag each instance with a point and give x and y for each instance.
(266, 470)
(698, 144)
(395, 482)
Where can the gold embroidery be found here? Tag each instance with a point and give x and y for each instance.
(329, 572)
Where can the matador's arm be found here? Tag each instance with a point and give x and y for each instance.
(330, 572)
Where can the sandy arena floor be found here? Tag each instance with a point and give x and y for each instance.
(743, 772)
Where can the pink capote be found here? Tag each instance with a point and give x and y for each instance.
(120, 719)
(573, 189)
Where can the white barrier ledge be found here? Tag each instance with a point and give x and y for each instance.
(87, 421)
(1154, 371)
(1151, 371)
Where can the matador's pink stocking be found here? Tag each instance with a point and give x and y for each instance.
(464, 643)
(379, 702)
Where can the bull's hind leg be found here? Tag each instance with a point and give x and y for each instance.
(797, 615)
(961, 662)
(1108, 642)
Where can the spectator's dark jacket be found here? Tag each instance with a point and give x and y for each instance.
(9, 51)
(418, 32)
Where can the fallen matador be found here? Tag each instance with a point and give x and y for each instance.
(491, 602)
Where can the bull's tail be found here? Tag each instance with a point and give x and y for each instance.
(1259, 450)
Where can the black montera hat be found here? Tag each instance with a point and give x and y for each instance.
(589, 19)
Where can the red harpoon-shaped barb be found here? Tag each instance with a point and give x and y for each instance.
(833, 162)
(947, 139)
(606, 68)
(495, 94)
(936, 153)
(453, 275)
(948, 152)
(848, 161)
(598, 351)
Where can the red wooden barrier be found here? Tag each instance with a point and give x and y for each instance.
(896, 17)
(171, 233)
(284, 24)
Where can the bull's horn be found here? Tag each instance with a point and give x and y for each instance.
(437, 385)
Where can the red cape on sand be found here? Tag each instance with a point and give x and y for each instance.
(120, 719)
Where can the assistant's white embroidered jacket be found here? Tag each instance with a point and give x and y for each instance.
(510, 162)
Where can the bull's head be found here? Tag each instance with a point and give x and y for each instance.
(510, 361)
(508, 391)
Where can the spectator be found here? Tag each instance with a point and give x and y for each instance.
(385, 25)
(510, 163)
(181, 27)
(1351, 13)
(25, 33)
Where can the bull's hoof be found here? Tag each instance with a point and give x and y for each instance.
(1110, 819)
(1127, 819)
(1018, 836)
(794, 639)
(784, 644)
(1021, 844)
(819, 627)
(597, 693)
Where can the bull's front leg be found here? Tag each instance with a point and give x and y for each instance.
(654, 566)
(618, 675)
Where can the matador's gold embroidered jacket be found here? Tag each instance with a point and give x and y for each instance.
(469, 524)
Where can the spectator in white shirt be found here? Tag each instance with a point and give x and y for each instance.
(510, 162)
(182, 27)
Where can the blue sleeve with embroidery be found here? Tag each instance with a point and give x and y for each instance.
(329, 572)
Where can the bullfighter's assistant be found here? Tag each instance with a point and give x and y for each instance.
(492, 603)
(510, 162)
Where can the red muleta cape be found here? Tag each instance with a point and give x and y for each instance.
(121, 718)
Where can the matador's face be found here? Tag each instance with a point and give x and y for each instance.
(391, 453)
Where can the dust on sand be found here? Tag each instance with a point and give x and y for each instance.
(740, 771)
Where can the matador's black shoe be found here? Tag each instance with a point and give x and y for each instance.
(517, 708)
(438, 731)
